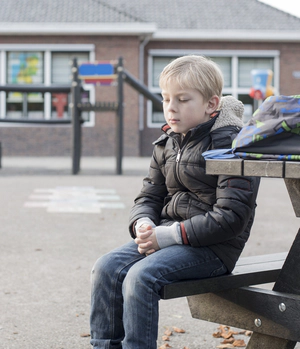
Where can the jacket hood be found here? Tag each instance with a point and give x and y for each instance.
(231, 113)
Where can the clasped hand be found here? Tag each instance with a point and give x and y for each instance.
(146, 240)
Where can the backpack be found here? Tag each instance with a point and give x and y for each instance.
(273, 133)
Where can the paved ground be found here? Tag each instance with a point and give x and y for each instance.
(55, 225)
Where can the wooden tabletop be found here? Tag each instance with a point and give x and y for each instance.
(260, 168)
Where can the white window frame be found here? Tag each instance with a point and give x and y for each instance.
(47, 49)
(234, 90)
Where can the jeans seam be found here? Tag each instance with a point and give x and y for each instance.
(113, 299)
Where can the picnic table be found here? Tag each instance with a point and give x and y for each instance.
(272, 315)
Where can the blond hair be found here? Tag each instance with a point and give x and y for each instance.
(195, 72)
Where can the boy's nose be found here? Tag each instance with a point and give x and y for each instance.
(172, 106)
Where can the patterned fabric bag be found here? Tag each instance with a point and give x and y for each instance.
(273, 133)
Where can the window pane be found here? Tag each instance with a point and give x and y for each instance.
(158, 65)
(225, 65)
(35, 105)
(25, 105)
(158, 115)
(61, 66)
(14, 105)
(248, 107)
(25, 68)
(247, 64)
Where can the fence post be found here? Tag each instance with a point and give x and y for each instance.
(119, 127)
(76, 119)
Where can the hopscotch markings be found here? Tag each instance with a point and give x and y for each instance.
(74, 199)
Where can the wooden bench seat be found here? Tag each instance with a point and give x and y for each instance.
(254, 270)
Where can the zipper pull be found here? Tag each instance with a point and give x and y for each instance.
(178, 155)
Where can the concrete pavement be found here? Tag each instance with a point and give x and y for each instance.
(53, 228)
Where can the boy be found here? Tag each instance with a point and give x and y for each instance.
(185, 224)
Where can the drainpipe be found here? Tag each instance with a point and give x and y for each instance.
(141, 78)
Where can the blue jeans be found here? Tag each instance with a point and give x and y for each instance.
(126, 287)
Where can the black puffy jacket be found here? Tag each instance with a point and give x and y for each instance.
(214, 211)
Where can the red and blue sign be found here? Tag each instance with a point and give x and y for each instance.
(98, 73)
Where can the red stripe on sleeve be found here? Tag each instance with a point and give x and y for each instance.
(183, 235)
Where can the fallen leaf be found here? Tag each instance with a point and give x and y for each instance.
(185, 348)
(217, 334)
(178, 330)
(229, 340)
(223, 346)
(168, 332)
(248, 333)
(226, 332)
(164, 346)
(165, 338)
(223, 328)
(239, 343)
(84, 335)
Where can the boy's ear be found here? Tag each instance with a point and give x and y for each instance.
(213, 104)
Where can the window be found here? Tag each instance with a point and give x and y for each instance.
(61, 65)
(246, 65)
(236, 67)
(41, 65)
(24, 68)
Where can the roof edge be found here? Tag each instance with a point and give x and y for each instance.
(225, 35)
(111, 28)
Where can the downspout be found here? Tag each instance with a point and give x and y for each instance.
(141, 78)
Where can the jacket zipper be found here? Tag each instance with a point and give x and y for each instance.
(178, 155)
(178, 158)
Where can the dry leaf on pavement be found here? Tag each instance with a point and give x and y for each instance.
(168, 332)
(178, 330)
(228, 341)
(165, 346)
(239, 343)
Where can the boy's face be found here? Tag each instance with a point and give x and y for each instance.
(184, 108)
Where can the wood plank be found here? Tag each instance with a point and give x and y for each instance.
(262, 168)
(253, 309)
(248, 271)
(226, 167)
(292, 169)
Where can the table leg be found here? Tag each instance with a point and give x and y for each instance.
(263, 341)
(287, 283)
(293, 187)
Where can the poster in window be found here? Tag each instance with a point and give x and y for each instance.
(25, 68)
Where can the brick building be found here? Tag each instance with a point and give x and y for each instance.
(39, 37)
